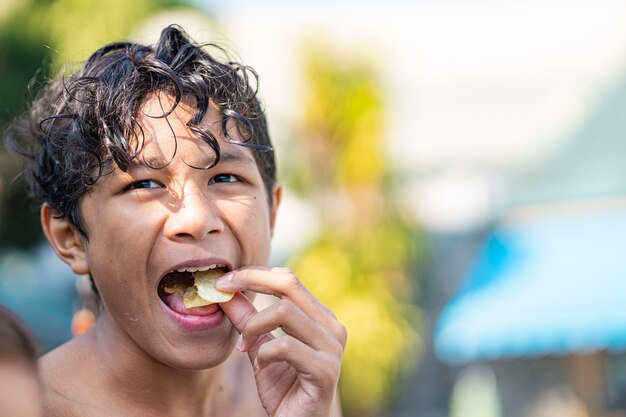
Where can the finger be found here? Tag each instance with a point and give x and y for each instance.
(239, 310)
(308, 363)
(292, 321)
(280, 282)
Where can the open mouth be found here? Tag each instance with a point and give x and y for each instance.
(191, 288)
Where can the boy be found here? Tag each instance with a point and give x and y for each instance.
(153, 164)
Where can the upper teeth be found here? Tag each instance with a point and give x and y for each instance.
(201, 268)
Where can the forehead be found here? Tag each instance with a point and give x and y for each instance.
(165, 135)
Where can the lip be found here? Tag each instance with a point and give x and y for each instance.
(195, 322)
(195, 263)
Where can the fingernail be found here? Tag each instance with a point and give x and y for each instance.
(224, 279)
(239, 344)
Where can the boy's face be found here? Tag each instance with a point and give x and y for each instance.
(147, 222)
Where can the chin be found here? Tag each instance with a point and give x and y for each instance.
(197, 358)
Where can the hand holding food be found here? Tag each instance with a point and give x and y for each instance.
(296, 374)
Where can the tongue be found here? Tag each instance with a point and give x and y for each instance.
(175, 302)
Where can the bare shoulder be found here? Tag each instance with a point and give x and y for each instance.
(64, 372)
(74, 387)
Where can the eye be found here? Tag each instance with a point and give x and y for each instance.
(138, 185)
(224, 178)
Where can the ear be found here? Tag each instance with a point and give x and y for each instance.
(277, 194)
(65, 239)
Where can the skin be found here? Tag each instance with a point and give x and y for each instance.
(20, 393)
(143, 223)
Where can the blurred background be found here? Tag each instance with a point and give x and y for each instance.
(455, 186)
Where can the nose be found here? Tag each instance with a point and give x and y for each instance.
(194, 216)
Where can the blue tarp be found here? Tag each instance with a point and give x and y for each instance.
(553, 284)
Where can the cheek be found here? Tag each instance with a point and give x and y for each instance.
(120, 242)
(250, 224)
(124, 225)
(112, 243)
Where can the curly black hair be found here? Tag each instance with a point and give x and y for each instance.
(81, 124)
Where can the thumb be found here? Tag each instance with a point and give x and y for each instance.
(239, 310)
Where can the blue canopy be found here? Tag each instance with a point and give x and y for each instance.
(553, 284)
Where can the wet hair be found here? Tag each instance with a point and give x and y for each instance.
(79, 125)
(16, 340)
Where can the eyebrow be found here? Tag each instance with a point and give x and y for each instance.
(236, 157)
(225, 157)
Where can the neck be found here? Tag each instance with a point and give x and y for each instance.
(149, 384)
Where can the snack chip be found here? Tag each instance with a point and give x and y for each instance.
(203, 292)
(205, 283)
(192, 299)
(177, 287)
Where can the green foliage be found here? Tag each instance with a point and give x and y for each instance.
(24, 60)
(360, 264)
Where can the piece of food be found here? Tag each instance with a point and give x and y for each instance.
(196, 287)
(192, 299)
(176, 287)
(205, 284)
(177, 282)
